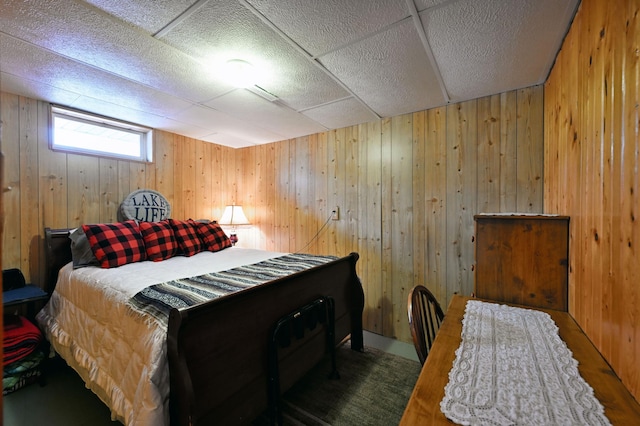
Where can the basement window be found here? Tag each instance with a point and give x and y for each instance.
(80, 132)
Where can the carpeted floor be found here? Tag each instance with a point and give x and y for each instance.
(373, 389)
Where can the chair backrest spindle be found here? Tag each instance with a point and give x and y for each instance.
(425, 317)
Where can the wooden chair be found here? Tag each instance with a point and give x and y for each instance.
(425, 317)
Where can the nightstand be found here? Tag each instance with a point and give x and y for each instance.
(29, 294)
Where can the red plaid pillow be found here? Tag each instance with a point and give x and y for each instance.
(115, 244)
(213, 236)
(186, 233)
(159, 240)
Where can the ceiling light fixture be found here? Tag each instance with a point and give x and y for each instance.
(240, 73)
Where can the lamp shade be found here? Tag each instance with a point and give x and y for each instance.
(233, 215)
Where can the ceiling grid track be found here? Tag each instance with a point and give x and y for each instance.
(417, 23)
(180, 18)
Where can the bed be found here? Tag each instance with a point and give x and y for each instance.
(209, 363)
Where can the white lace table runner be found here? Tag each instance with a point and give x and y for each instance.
(512, 368)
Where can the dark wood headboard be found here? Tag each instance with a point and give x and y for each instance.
(58, 253)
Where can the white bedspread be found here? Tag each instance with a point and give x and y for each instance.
(121, 358)
(512, 368)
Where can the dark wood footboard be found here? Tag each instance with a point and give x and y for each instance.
(218, 350)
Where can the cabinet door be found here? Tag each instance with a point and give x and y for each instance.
(523, 260)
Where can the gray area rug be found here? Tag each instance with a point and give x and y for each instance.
(373, 389)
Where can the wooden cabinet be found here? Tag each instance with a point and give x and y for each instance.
(523, 259)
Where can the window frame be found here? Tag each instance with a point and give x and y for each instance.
(145, 134)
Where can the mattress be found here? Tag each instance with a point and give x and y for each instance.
(121, 357)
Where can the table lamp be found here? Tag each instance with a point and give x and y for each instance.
(233, 216)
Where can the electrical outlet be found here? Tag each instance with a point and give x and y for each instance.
(335, 213)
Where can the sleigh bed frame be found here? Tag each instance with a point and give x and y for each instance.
(218, 350)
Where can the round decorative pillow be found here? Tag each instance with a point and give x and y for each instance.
(145, 205)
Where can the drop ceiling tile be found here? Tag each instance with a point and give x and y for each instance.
(35, 90)
(150, 15)
(38, 65)
(184, 129)
(220, 31)
(267, 115)
(222, 122)
(120, 112)
(484, 47)
(344, 113)
(91, 37)
(322, 26)
(227, 140)
(390, 71)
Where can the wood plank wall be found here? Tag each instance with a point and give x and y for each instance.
(592, 147)
(57, 190)
(406, 188)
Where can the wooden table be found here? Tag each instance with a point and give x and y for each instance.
(424, 405)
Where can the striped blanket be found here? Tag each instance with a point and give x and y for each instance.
(157, 300)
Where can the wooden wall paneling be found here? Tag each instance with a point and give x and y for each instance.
(551, 150)
(576, 186)
(351, 214)
(419, 234)
(11, 240)
(260, 216)
(386, 200)
(84, 189)
(203, 182)
(124, 182)
(319, 150)
(246, 179)
(302, 209)
(607, 155)
(594, 87)
(311, 214)
(610, 161)
(281, 204)
(370, 218)
(137, 176)
(336, 185)
(29, 192)
(530, 146)
(489, 157)
(315, 215)
(220, 170)
(52, 168)
(290, 210)
(245, 195)
(611, 181)
(188, 171)
(402, 226)
(230, 188)
(508, 152)
(461, 196)
(179, 184)
(52, 194)
(571, 102)
(627, 292)
(110, 200)
(253, 211)
(592, 178)
(436, 195)
(150, 171)
(269, 179)
(164, 166)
